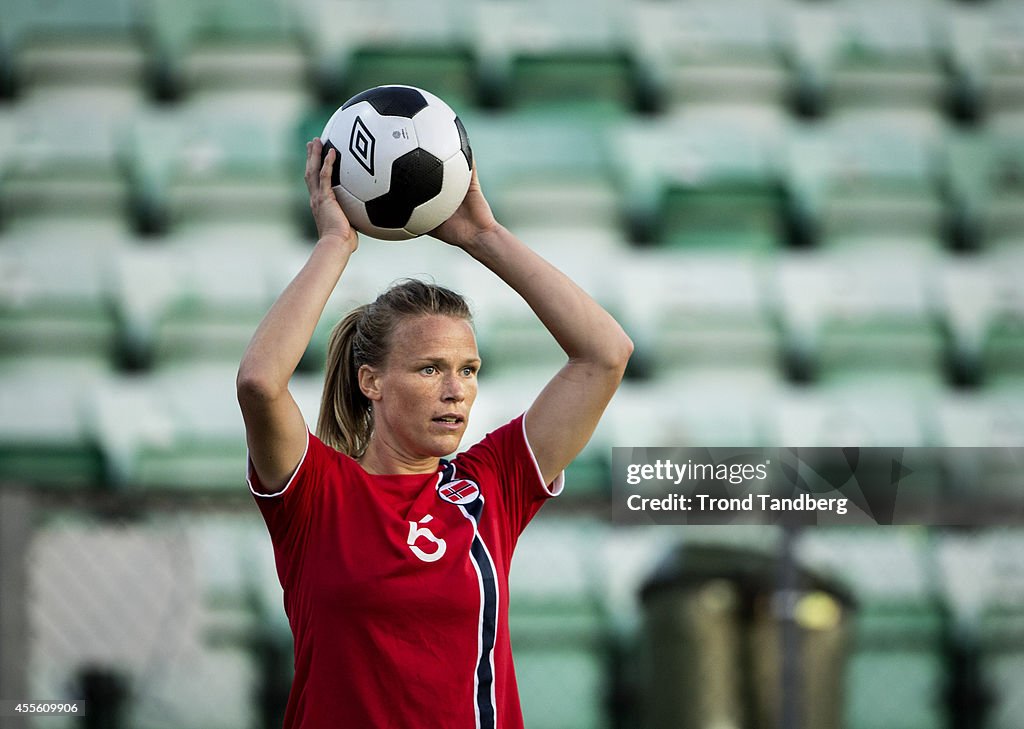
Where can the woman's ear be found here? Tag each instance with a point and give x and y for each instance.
(369, 382)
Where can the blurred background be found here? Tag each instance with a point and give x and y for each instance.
(808, 214)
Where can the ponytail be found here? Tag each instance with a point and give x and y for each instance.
(346, 418)
(363, 337)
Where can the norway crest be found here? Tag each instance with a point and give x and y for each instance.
(460, 491)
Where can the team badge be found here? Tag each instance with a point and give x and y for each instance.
(460, 491)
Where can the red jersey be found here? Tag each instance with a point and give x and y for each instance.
(395, 586)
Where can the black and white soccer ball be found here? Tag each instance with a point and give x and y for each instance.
(404, 162)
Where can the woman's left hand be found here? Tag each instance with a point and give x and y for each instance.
(472, 218)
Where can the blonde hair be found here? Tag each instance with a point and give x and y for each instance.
(363, 337)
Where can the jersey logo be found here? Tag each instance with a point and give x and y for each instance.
(416, 531)
(460, 492)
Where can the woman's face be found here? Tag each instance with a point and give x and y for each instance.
(423, 393)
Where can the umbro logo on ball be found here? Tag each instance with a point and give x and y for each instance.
(361, 144)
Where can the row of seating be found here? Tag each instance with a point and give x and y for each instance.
(611, 54)
(886, 306)
(73, 424)
(735, 176)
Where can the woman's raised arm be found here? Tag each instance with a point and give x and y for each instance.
(563, 417)
(274, 427)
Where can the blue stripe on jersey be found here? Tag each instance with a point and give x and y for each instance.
(488, 622)
(484, 565)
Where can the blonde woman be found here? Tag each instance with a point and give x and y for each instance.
(394, 560)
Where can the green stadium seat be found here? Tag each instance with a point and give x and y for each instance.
(707, 177)
(46, 435)
(215, 162)
(196, 302)
(558, 627)
(983, 171)
(707, 52)
(54, 46)
(982, 310)
(1001, 623)
(875, 414)
(569, 57)
(185, 435)
(701, 410)
(1003, 350)
(983, 50)
(544, 169)
(857, 54)
(55, 299)
(65, 159)
(690, 311)
(358, 44)
(226, 46)
(981, 434)
(864, 172)
(860, 314)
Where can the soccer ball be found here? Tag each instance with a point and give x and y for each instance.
(403, 161)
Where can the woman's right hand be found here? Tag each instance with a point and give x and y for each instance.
(331, 221)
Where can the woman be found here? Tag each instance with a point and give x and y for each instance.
(394, 561)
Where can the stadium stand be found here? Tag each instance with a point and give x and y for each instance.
(707, 53)
(806, 214)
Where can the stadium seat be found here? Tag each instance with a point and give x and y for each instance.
(860, 314)
(859, 54)
(186, 435)
(983, 173)
(1001, 622)
(558, 627)
(703, 310)
(46, 436)
(65, 159)
(358, 44)
(544, 169)
(981, 436)
(707, 52)
(981, 308)
(215, 162)
(55, 299)
(47, 48)
(199, 49)
(864, 172)
(871, 415)
(696, 411)
(983, 50)
(706, 177)
(194, 302)
(568, 57)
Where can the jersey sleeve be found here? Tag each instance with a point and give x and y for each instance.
(287, 512)
(505, 455)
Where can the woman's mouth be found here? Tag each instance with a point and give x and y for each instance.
(449, 421)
